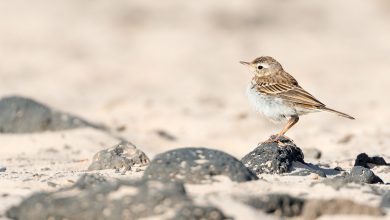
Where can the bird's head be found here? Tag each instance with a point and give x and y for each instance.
(263, 66)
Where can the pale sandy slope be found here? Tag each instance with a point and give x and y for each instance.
(173, 66)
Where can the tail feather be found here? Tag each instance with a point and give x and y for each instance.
(338, 113)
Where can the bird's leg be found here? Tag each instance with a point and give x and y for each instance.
(291, 122)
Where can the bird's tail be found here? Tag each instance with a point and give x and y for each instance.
(337, 112)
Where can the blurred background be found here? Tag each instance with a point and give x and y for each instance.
(165, 74)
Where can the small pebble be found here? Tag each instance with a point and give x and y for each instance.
(346, 139)
(121, 128)
(52, 184)
(2, 168)
(313, 153)
(165, 135)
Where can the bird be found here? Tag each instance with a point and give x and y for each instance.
(278, 96)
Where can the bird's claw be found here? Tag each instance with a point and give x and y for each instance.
(277, 139)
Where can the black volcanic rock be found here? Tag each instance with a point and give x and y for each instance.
(94, 197)
(358, 174)
(273, 157)
(24, 115)
(196, 165)
(122, 156)
(364, 160)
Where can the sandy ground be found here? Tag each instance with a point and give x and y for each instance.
(173, 66)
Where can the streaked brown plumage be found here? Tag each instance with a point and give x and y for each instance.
(278, 95)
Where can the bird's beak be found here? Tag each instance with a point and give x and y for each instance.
(245, 63)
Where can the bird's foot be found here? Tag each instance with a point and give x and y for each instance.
(278, 139)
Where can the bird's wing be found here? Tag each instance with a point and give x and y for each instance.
(288, 90)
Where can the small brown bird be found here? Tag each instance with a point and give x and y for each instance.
(277, 95)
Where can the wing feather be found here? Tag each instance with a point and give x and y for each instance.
(288, 90)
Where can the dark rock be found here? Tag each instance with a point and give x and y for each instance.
(279, 204)
(273, 157)
(364, 160)
(199, 212)
(316, 208)
(2, 168)
(364, 175)
(313, 153)
(24, 115)
(122, 156)
(153, 198)
(196, 165)
(385, 202)
(358, 175)
(94, 197)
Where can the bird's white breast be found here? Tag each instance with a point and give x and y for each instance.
(272, 107)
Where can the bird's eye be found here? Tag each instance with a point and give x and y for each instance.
(260, 67)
